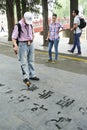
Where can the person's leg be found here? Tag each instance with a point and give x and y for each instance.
(50, 45)
(74, 44)
(56, 41)
(3, 29)
(78, 42)
(31, 66)
(32, 73)
(23, 52)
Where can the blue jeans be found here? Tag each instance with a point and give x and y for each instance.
(26, 57)
(50, 45)
(76, 42)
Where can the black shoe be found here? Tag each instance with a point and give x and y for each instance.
(27, 82)
(34, 78)
(70, 51)
(78, 53)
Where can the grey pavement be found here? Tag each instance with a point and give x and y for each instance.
(56, 102)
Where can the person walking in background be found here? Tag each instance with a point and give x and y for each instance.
(2, 26)
(53, 38)
(25, 47)
(77, 32)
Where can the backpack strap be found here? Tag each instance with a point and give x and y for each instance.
(32, 28)
(19, 29)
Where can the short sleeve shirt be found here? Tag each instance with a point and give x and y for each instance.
(26, 33)
(54, 30)
(77, 21)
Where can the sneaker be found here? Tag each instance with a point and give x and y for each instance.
(54, 61)
(70, 51)
(27, 82)
(34, 78)
(49, 60)
(78, 53)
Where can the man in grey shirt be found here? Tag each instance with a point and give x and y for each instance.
(77, 32)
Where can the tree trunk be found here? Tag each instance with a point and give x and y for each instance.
(18, 8)
(45, 20)
(10, 17)
(23, 7)
(73, 5)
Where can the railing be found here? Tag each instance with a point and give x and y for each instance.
(38, 25)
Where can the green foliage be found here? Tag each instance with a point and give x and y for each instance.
(32, 5)
(64, 11)
(2, 6)
(57, 5)
(83, 3)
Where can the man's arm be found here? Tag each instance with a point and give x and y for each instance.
(75, 23)
(48, 36)
(15, 46)
(74, 27)
(14, 37)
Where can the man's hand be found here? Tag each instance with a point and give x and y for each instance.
(15, 48)
(71, 29)
(29, 43)
(47, 39)
(74, 27)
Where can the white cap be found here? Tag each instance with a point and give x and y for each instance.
(28, 17)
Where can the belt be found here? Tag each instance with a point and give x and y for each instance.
(23, 41)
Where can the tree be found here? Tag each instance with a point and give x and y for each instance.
(23, 2)
(73, 5)
(18, 8)
(45, 20)
(10, 17)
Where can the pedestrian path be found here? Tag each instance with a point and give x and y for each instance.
(56, 101)
(63, 44)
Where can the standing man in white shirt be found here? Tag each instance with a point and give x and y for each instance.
(77, 32)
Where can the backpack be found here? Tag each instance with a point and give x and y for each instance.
(82, 23)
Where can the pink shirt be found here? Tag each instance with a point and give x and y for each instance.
(26, 33)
